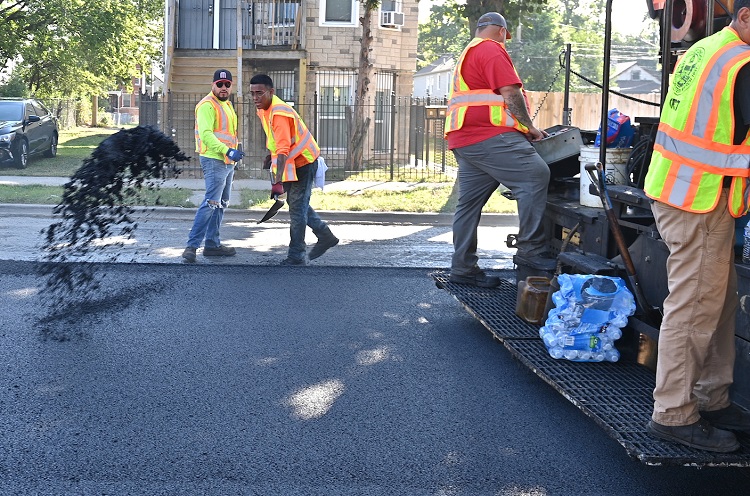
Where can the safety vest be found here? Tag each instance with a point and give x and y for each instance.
(225, 125)
(461, 98)
(694, 149)
(303, 143)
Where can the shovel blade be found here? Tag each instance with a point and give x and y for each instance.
(272, 211)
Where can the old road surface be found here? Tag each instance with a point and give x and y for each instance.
(353, 376)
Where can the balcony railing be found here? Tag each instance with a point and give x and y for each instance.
(265, 24)
(273, 24)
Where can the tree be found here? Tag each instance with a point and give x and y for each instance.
(447, 32)
(510, 9)
(360, 123)
(536, 51)
(82, 46)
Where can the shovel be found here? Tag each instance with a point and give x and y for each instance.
(277, 204)
(652, 314)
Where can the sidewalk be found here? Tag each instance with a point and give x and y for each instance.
(368, 239)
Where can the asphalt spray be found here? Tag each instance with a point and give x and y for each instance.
(96, 208)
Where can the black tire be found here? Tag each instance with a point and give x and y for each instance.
(52, 152)
(21, 157)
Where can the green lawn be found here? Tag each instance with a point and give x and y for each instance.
(78, 143)
(35, 194)
(418, 200)
(74, 146)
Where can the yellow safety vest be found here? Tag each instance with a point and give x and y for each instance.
(303, 142)
(225, 125)
(694, 149)
(460, 98)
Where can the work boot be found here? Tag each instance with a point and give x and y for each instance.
(701, 435)
(479, 279)
(293, 262)
(326, 240)
(189, 254)
(732, 418)
(219, 251)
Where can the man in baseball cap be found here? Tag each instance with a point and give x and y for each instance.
(493, 19)
(225, 75)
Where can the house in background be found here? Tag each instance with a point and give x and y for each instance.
(434, 79)
(309, 47)
(123, 104)
(637, 77)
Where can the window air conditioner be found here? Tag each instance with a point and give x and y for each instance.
(391, 19)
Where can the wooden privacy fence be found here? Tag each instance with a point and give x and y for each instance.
(587, 108)
(405, 139)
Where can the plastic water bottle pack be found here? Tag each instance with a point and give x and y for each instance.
(590, 312)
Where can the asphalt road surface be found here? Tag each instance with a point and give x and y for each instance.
(353, 376)
(218, 379)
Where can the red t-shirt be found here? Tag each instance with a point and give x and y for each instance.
(486, 66)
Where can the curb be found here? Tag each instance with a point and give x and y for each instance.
(361, 217)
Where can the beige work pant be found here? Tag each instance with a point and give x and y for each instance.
(696, 339)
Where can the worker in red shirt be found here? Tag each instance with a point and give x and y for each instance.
(489, 129)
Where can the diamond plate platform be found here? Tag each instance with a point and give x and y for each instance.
(617, 396)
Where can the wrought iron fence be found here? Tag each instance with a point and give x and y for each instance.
(404, 140)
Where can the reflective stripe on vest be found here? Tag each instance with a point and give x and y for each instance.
(303, 143)
(461, 98)
(694, 149)
(222, 129)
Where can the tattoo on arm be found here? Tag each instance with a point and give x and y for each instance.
(517, 106)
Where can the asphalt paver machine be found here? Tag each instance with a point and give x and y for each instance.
(583, 236)
(620, 241)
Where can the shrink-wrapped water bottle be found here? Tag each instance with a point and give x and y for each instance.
(746, 246)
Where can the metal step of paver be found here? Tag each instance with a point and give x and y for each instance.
(617, 396)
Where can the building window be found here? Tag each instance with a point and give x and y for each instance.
(338, 12)
(335, 92)
(635, 75)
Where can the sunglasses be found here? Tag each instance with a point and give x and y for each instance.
(223, 84)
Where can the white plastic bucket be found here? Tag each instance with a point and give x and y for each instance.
(615, 171)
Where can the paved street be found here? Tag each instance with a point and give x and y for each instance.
(176, 379)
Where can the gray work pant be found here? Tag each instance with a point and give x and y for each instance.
(507, 159)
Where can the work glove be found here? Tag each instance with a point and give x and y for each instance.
(277, 190)
(235, 155)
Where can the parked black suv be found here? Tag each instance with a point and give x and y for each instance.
(26, 128)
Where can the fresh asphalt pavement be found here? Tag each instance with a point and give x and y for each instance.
(355, 375)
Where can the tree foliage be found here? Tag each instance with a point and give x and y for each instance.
(541, 29)
(66, 47)
(447, 32)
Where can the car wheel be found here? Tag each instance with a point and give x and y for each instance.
(22, 154)
(52, 147)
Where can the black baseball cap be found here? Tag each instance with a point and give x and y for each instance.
(222, 75)
(493, 18)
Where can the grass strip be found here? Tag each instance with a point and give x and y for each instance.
(52, 195)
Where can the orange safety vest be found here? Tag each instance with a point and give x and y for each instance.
(303, 143)
(694, 147)
(461, 98)
(225, 126)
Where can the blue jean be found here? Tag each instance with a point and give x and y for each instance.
(301, 213)
(218, 177)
